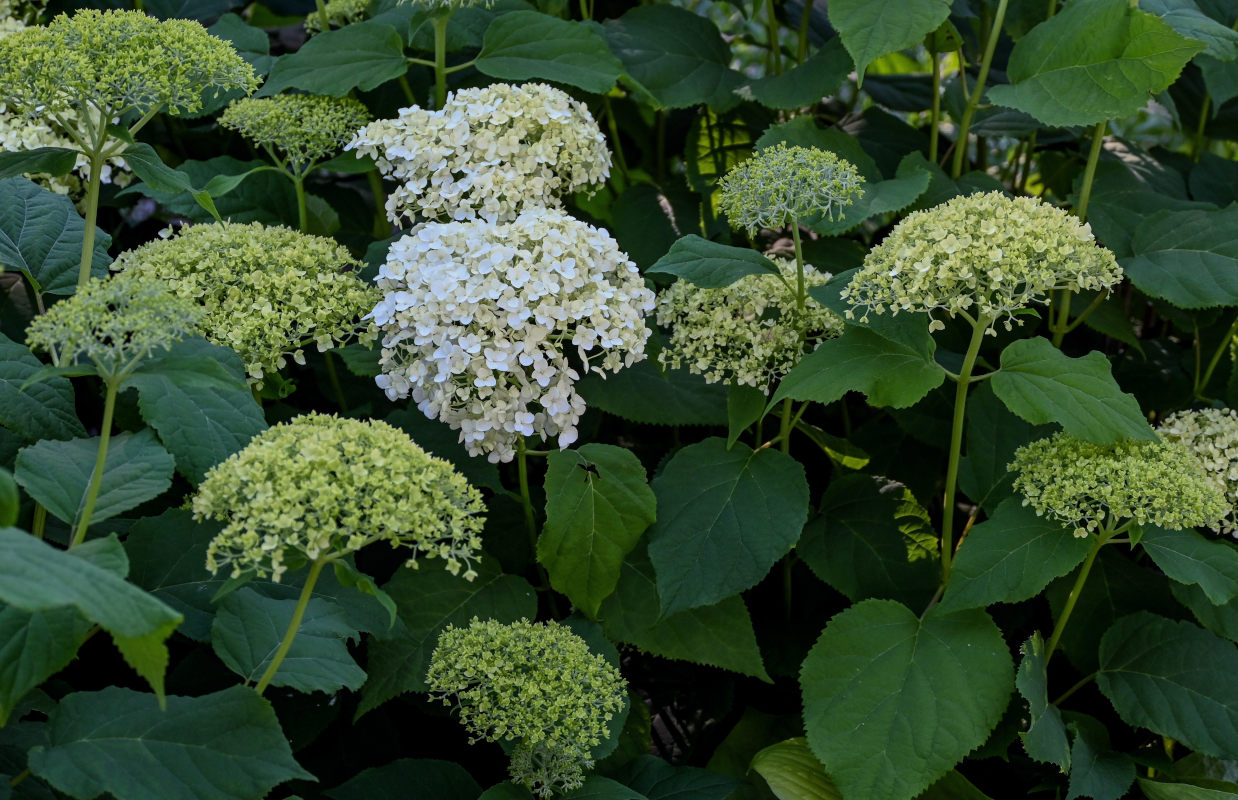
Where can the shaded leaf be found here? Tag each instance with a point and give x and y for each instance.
(363, 55)
(1187, 557)
(441, 780)
(710, 265)
(793, 772)
(41, 237)
(1045, 738)
(804, 84)
(43, 410)
(1189, 258)
(872, 28)
(524, 45)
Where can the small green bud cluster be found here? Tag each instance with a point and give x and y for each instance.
(1212, 435)
(299, 129)
(748, 333)
(339, 14)
(1092, 487)
(537, 683)
(781, 184)
(984, 254)
(320, 486)
(266, 291)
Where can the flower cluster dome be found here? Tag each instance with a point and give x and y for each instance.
(481, 319)
(781, 184)
(1212, 435)
(299, 129)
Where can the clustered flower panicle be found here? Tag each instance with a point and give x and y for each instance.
(320, 485)
(489, 152)
(339, 13)
(478, 319)
(266, 291)
(987, 255)
(1089, 487)
(748, 333)
(535, 683)
(299, 129)
(1212, 435)
(781, 184)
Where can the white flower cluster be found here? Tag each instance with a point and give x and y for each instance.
(1212, 435)
(488, 152)
(479, 315)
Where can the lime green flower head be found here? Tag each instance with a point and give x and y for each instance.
(115, 62)
(297, 129)
(321, 486)
(339, 13)
(747, 333)
(781, 184)
(536, 683)
(986, 255)
(267, 292)
(1212, 435)
(113, 323)
(1092, 487)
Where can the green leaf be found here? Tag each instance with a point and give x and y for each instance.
(41, 237)
(993, 434)
(34, 577)
(226, 745)
(43, 410)
(350, 578)
(57, 474)
(1187, 557)
(720, 635)
(429, 599)
(872, 28)
(1185, 17)
(1123, 197)
(1010, 557)
(248, 630)
(710, 265)
(598, 503)
(1189, 258)
(441, 780)
(147, 165)
(658, 780)
(1045, 738)
(363, 55)
(793, 772)
(167, 556)
(34, 645)
(598, 788)
(1173, 678)
(744, 406)
(1096, 770)
(1094, 61)
(840, 451)
(1220, 619)
(889, 373)
(10, 499)
(953, 787)
(804, 84)
(877, 668)
(524, 45)
(673, 58)
(1041, 384)
(1163, 790)
(879, 197)
(55, 161)
(724, 518)
(644, 392)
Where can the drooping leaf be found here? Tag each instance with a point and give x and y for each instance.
(1185, 17)
(1164, 790)
(529, 45)
(804, 84)
(43, 410)
(363, 55)
(34, 645)
(1187, 557)
(710, 265)
(793, 772)
(53, 161)
(41, 237)
(658, 780)
(1186, 257)
(872, 28)
(1045, 738)
(1096, 770)
(442, 780)
(1220, 619)
(647, 393)
(167, 557)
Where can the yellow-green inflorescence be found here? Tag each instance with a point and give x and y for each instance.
(747, 333)
(267, 292)
(113, 323)
(339, 13)
(537, 684)
(1092, 487)
(781, 184)
(986, 255)
(320, 486)
(299, 130)
(1212, 435)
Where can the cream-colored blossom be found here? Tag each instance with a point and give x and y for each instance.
(321, 486)
(489, 152)
(298, 130)
(986, 255)
(781, 184)
(748, 333)
(267, 292)
(486, 324)
(339, 13)
(1212, 435)
(535, 684)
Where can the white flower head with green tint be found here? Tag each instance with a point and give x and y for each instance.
(321, 486)
(339, 13)
(781, 184)
(1090, 487)
(480, 321)
(489, 153)
(298, 130)
(1212, 435)
(267, 292)
(536, 684)
(747, 333)
(113, 323)
(985, 255)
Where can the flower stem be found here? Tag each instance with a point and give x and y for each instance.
(302, 210)
(784, 426)
(1206, 378)
(440, 60)
(1200, 141)
(935, 121)
(956, 445)
(323, 19)
(96, 475)
(772, 37)
(39, 523)
(526, 499)
(1075, 591)
(295, 623)
(960, 146)
(92, 216)
(382, 228)
(801, 291)
(1062, 325)
(801, 50)
(615, 144)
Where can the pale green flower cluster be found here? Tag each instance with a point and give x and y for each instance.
(1091, 487)
(781, 184)
(113, 323)
(1212, 435)
(298, 130)
(446, 5)
(986, 255)
(536, 683)
(116, 62)
(267, 291)
(747, 333)
(321, 486)
(339, 14)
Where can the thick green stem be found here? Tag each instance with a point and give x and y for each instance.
(323, 20)
(1200, 141)
(956, 445)
(1061, 326)
(617, 146)
(96, 475)
(526, 499)
(973, 101)
(772, 37)
(92, 216)
(784, 426)
(295, 623)
(1075, 590)
(302, 210)
(801, 291)
(382, 228)
(39, 523)
(1206, 378)
(935, 121)
(801, 50)
(440, 60)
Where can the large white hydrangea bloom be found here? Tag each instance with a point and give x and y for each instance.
(488, 152)
(487, 323)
